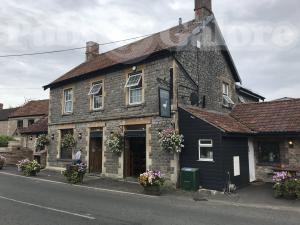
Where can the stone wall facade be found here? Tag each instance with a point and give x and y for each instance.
(3, 127)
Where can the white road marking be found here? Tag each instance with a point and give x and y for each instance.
(48, 208)
(81, 186)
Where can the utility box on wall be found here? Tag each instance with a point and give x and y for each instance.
(189, 179)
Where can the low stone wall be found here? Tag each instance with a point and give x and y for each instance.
(14, 153)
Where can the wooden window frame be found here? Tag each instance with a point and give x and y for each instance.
(128, 89)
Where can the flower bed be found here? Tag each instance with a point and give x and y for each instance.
(75, 173)
(29, 168)
(2, 161)
(151, 181)
(171, 141)
(286, 185)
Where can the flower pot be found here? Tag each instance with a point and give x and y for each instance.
(152, 190)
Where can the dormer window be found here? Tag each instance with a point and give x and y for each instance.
(96, 94)
(227, 101)
(134, 85)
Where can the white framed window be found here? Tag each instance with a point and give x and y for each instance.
(225, 87)
(68, 101)
(135, 89)
(96, 93)
(206, 150)
(227, 101)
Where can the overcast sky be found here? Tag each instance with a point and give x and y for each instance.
(263, 37)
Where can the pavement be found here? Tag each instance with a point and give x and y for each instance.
(258, 195)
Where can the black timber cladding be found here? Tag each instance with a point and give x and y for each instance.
(213, 175)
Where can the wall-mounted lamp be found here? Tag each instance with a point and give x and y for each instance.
(80, 136)
(134, 68)
(291, 144)
(30, 138)
(52, 136)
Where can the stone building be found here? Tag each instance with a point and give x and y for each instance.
(136, 90)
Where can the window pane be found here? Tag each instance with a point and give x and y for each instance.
(206, 142)
(95, 89)
(206, 153)
(133, 80)
(97, 102)
(68, 107)
(135, 95)
(268, 152)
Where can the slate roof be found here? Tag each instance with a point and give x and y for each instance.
(162, 41)
(4, 113)
(32, 108)
(222, 121)
(37, 128)
(274, 116)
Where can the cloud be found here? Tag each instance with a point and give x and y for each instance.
(263, 37)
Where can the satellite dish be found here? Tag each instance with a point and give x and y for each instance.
(194, 98)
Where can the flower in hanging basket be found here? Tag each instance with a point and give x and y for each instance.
(171, 141)
(41, 142)
(68, 142)
(114, 143)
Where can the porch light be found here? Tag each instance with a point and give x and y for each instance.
(30, 138)
(291, 144)
(52, 136)
(80, 136)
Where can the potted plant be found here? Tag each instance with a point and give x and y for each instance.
(114, 143)
(68, 142)
(29, 168)
(289, 189)
(152, 182)
(41, 142)
(171, 141)
(75, 173)
(2, 161)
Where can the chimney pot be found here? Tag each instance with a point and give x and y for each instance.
(92, 50)
(203, 8)
(1, 106)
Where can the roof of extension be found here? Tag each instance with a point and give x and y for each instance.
(37, 128)
(254, 118)
(249, 92)
(32, 108)
(4, 113)
(269, 117)
(163, 41)
(222, 121)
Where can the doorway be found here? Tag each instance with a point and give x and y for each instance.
(134, 156)
(95, 152)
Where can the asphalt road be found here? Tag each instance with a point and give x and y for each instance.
(32, 202)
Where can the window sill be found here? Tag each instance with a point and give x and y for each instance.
(206, 160)
(96, 110)
(135, 105)
(67, 114)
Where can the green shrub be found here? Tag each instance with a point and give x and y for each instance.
(4, 140)
(278, 190)
(298, 189)
(289, 188)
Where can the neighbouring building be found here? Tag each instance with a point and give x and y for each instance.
(137, 90)
(4, 115)
(27, 115)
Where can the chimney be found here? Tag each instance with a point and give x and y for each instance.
(92, 50)
(203, 8)
(1, 106)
